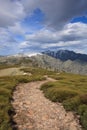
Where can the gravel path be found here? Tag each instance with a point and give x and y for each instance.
(35, 112)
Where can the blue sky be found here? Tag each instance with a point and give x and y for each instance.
(32, 26)
(82, 19)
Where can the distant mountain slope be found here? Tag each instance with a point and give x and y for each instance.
(69, 66)
(65, 55)
(15, 60)
(67, 61)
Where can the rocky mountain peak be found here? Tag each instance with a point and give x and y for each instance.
(65, 55)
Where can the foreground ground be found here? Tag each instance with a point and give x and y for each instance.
(35, 112)
(68, 89)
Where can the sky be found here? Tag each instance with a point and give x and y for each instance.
(33, 26)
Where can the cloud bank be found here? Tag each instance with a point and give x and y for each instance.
(19, 34)
(11, 11)
(73, 36)
(57, 13)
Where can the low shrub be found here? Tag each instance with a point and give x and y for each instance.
(45, 86)
(59, 95)
(81, 109)
(83, 98)
(72, 103)
(71, 91)
(84, 120)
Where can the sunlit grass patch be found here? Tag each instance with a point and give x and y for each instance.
(71, 91)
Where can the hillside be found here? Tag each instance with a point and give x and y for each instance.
(65, 55)
(45, 61)
(62, 61)
(15, 61)
(68, 89)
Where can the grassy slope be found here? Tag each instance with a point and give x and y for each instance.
(7, 85)
(71, 91)
(10, 72)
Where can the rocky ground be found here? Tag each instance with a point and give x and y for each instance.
(35, 112)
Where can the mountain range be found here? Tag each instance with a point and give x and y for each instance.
(62, 60)
(65, 55)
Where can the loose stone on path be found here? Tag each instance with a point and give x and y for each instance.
(35, 112)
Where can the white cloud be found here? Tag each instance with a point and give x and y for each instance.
(4, 36)
(71, 32)
(17, 29)
(73, 36)
(8, 45)
(57, 12)
(10, 12)
(57, 31)
(42, 36)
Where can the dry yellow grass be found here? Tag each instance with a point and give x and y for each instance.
(11, 71)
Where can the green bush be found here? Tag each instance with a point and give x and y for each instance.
(59, 95)
(72, 103)
(81, 109)
(45, 86)
(71, 91)
(84, 120)
(83, 98)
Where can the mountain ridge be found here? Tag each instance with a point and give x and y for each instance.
(69, 66)
(65, 55)
(75, 65)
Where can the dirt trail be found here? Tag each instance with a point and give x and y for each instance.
(35, 112)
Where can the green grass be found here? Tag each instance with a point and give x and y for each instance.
(37, 71)
(7, 66)
(7, 86)
(71, 91)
